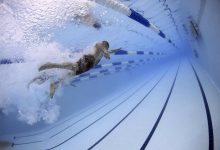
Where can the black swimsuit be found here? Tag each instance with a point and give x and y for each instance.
(85, 63)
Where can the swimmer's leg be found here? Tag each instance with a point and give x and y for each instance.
(53, 87)
(68, 66)
(39, 80)
(56, 84)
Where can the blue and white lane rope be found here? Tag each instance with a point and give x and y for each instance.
(110, 71)
(120, 7)
(11, 61)
(6, 61)
(124, 52)
(90, 75)
(118, 66)
(106, 70)
(118, 63)
(102, 73)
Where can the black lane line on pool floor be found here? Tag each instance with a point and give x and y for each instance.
(126, 99)
(208, 114)
(46, 130)
(96, 143)
(92, 113)
(161, 113)
(71, 117)
(86, 116)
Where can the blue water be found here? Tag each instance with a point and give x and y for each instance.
(150, 95)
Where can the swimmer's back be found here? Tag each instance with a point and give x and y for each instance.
(85, 63)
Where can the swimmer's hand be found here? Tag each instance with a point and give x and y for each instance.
(107, 55)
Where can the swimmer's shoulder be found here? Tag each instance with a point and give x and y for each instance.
(95, 48)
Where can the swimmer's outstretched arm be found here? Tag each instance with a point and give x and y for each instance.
(68, 66)
(114, 50)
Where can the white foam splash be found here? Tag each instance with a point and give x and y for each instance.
(32, 104)
(21, 25)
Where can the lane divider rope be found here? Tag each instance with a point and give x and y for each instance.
(5, 61)
(122, 8)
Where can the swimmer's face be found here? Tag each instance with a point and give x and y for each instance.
(106, 44)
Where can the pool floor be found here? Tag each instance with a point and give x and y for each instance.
(175, 108)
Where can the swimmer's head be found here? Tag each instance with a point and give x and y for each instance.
(97, 25)
(106, 44)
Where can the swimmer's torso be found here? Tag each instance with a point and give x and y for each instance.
(97, 52)
(90, 60)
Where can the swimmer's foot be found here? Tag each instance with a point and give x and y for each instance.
(53, 87)
(39, 80)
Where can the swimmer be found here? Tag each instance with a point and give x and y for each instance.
(84, 64)
(89, 20)
(88, 17)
